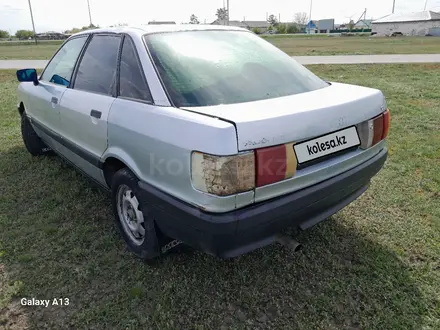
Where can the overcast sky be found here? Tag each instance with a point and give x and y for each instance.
(60, 15)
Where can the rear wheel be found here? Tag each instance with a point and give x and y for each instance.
(133, 218)
(31, 140)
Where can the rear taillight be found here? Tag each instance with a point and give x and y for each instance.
(275, 164)
(374, 130)
(228, 175)
(223, 175)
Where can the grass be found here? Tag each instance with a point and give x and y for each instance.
(28, 52)
(356, 45)
(292, 45)
(374, 265)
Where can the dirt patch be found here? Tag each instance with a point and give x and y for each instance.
(12, 317)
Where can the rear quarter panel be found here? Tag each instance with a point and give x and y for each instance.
(156, 144)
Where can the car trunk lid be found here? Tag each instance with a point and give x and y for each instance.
(298, 117)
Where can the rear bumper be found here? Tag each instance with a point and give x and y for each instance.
(237, 232)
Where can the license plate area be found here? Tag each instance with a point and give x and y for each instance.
(326, 145)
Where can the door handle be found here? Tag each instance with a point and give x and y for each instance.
(54, 100)
(95, 113)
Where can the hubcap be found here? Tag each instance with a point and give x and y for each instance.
(130, 215)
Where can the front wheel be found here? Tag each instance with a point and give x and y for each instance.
(31, 140)
(132, 216)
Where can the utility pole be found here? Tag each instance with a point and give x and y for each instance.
(33, 24)
(310, 15)
(394, 5)
(227, 4)
(90, 14)
(426, 3)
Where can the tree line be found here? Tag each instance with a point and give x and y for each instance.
(21, 34)
(26, 34)
(299, 20)
(297, 24)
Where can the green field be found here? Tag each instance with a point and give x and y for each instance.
(42, 51)
(373, 265)
(292, 45)
(356, 45)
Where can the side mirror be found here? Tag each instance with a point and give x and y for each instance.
(29, 75)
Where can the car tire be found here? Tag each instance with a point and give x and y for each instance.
(133, 216)
(31, 140)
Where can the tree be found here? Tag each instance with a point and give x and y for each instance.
(193, 19)
(24, 34)
(350, 25)
(73, 31)
(89, 27)
(292, 28)
(301, 18)
(119, 25)
(256, 30)
(270, 28)
(4, 34)
(222, 14)
(272, 20)
(282, 28)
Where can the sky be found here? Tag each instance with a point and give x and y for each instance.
(60, 15)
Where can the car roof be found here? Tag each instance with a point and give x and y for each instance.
(153, 28)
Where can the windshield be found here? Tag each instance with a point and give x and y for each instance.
(202, 68)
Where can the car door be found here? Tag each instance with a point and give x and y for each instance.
(84, 108)
(44, 99)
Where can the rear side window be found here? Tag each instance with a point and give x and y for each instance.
(97, 70)
(59, 70)
(132, 83)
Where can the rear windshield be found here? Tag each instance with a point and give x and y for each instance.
(202, 68)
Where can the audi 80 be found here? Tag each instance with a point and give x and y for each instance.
(205, 135)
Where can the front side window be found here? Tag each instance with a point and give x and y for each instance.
(132, 83)
(97, 70)
(59, 70)
(202, 68)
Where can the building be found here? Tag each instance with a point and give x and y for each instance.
(320, 26)
(363, 24)
(161, 22)
(262, 26)
(312, 27)
(411, 24)
(51, 35)
(326, 25)
(231, 23)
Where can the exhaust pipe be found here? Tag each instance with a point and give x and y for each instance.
(288, 242)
